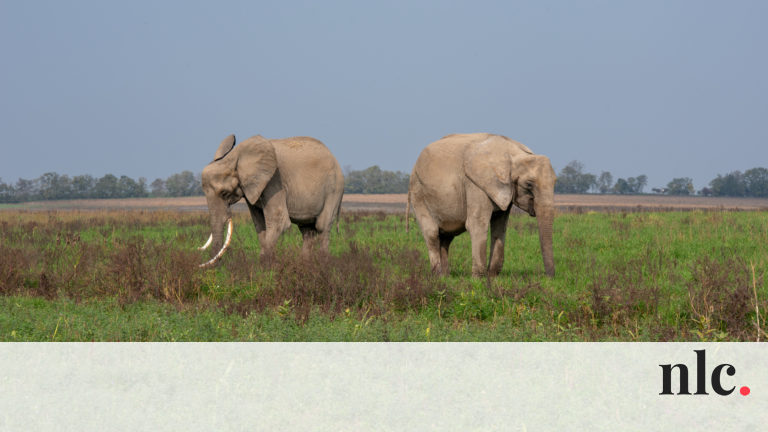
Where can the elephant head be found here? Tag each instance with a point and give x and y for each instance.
(233, 174)
(509, 173)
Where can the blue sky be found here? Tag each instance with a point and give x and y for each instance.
(666, 89)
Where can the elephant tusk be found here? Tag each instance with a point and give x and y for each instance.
(218, 256)
(207, 243)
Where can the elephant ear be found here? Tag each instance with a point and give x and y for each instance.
(225, 147)
(523, 164)
(530, 165)
(256, 166)
(490, 171)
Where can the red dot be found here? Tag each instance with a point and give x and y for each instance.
(744, 391)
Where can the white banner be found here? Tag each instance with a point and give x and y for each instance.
(382, 386)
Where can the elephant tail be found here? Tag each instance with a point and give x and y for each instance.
(338, 217)
(408, 211)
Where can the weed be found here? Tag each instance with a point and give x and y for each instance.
(720, 295)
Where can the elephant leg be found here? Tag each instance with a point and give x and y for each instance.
(309, 237)
(445, 244)
(324, 223)
(276, 221)
(264, 253)
(498, 233)
(257, 215)
(431, 234)
(324, 240)
(478, 234)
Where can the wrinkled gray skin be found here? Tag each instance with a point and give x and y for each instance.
(291, 180)
(468, 182)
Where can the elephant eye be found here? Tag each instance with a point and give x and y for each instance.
(529, 185)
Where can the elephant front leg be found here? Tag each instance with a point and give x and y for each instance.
(498, 233)
(267, 252)
(276, 221)
(257, 215)
(478, 234)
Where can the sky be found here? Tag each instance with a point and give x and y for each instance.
(147, 89)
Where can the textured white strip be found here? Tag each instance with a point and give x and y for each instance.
(374, 387)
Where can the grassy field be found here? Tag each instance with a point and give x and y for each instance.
(132, 275)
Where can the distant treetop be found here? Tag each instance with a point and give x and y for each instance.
(374, 180)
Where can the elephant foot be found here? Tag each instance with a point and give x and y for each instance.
(267, 260)
(479, 274)
(439, 270)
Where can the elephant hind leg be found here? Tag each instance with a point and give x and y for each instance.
(309, 236)
(431, 234)
(445, 244)
(324, 223)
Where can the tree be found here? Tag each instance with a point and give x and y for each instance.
(640, 182)
(55, 186)
(622, 187)
(374, 180)
(731, 184)
(756, 180)
(182, 184)
(83, 186)
(27, 190)
(143, 186)
(106, 187)
(632, 185)
(572, 179)
(7, 194)
(604, 182)
(158, 188)
(680, 186)
(129, 188)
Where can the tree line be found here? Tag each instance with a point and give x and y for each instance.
(54, 186)
(750, 183)
(373, 180)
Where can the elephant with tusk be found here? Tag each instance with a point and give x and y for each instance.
(284, 181)
(468, 182)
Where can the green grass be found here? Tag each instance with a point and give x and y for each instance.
(132, 276)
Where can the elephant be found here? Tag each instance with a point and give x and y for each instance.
(291, 180)
(466, 182)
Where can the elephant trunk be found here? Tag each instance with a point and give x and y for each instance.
(545, 215)
(223, 249)
(220, 216)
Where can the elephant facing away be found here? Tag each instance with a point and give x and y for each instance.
(291, 180)
(468, 182)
